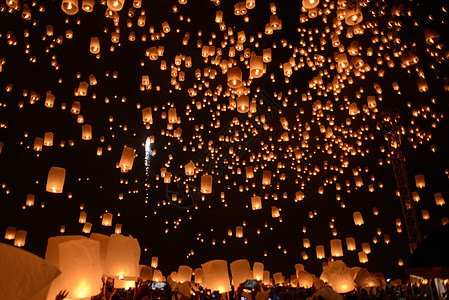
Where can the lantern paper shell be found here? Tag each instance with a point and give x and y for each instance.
(258, 268)
(157, 276)
(240, 271)
(309, 4)
(190, 168)
(107, 219)
(199, 276)
(358, 219)
(420, 181)
(336, 248)
(216, 275)
(243, 104)
(122, 259)
(278, 278)
(350, 244)
(86, 132)
(127, 159)
(206, 184)
(10, 233)
(256, 202)
(55, 180)
(24, 275)
(70, 7)
(256, 66)
(266, 177)
(115, 5)
(320, 252)
(305, 279)
(79, 262)
(234, 77)
(154, 261)
(146, 273)
(20, 238)
(184, 274)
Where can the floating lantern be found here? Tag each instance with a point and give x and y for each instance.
(184, 274)
(358, 219)
(94, 45)
(278, 278)
(107, 219)
(266, 177)
(420, 181)
(88, 5)
(30, 200)
(306, 243)
(275, 212)
(305, 279)
(320, 251)
(123, 255)
(336, 248)
(20, 238)
(234, 77)
(127, 159)
(256, 202)
(439, 200)
(366, 248)
(48, 139)
(239, 231)
(189, 168)
(55, 180)
(199, 276)
(87, 227)
(350, 244)
(258, 268)
(86, 132)
(157, 276)
(243, 104)
(206, 184)
(309, 4)
(10, 233)
(70, 7)
(425, 214)
(154, 261)
(118, 228)
(216, 276)
(256, 66)
(83, 217)
(240, 271)
(115, 5)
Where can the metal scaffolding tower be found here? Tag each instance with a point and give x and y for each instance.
(392, 132)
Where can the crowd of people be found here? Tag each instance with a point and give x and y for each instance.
(148, 290)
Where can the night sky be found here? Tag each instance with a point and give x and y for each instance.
(322, 149)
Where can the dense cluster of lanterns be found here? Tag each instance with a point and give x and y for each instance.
(288, 120)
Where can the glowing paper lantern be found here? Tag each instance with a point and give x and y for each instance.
(240, 271)
(24, 275)
(439, 200)
(341, 278)
(94, 45)
(363, 258)
(306, 243)
(10, 233)
(239, 231)
(266, 177)
(123, 255)
(70, 7)
(206, 184)
(157, 276)
(118, 228)
(366, 248)
(20, 238)
(107, 219)
(55, 180)
(234, 77)
(190, 168)
(79, 262)
(309, 4)
(243, 104)
(154, 261)
(320, 251)
(278, 278)
(199, 276)
(83, 217)
(86, 132)
(305, 279)
(216, 275)
(88, 5)
(184, 274)
(365, 279)
(256, 202)
(353, 16)
(127, 159)
(87, 227)
(420, 181)
(358, 219)
(146, 273)
(258, 271)
(115, 5)
(336, 248)
(275, 212)
(30, 200)
(350, 244)
(172, 115)
(48, 139)
(256, 66)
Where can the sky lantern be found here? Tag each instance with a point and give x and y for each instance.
(336, 248)
(234, 77)
(256, 66)
(240, 271)
(20, 238)
(172, 115)
(147, 115)
(420, 181)
(184, 274)
(439, 200)
(122, 259)
(83, 217)
(366, 248)
(87, 227)
(189, 168)
(358, 219)
(10, 233)
(275, 212)
(127, 159)
(118, 228)
(309, 4)
(266, 177)
(154, 262)
(94, 45)
(305, 279)
(258, 269)
(30, 200)
(199, 276)
(239, 231)
(48, 139)
(341, 278)
(243, 104)
(70, 7)
(79, 262)
(86, 132)
(55, 180)
(216, 275)
(320, 251)
(278, 278)
(107, 219)
(256, 202)
(157, 276)
(306, 243)
(206, 184)
(350, 244)
(88, 5)
(363, 258)
(115, 5)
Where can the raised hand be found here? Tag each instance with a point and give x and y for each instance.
(61, 295)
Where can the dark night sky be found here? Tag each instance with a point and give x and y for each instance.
(113, 108)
